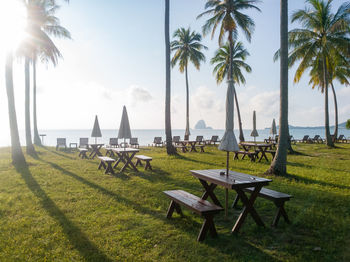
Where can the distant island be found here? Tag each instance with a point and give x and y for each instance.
(341, 125)
(201, 125)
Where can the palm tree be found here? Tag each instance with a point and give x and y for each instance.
(221, 60)
(169, 145)
(338, 69)
(323, 35)
(227, 15)
(41, 24)
(16, 150)
(279, 163)
(187, 48)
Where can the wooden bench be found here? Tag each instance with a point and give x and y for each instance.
(147, 159)
(202, 207)
(201, 147)
(83, 153)
(251, 155)
(277, 197)
(106, 160)
(182, 147)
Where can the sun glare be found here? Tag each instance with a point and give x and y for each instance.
(12, 24)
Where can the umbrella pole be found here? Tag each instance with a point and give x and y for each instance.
(226, 190)
(95, 140)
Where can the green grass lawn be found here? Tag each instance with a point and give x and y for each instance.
(62, 208)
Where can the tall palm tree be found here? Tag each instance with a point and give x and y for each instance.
(279, 163)
(187, 48)
(323, 35)
(221, 60)
(338, 69)
(42, 23)
(16, 150)
(169, 145)
(228, 16)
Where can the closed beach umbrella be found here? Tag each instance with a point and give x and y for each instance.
(228, 141)
(96, 131)
(273, 130)
(254, 132)
(124, 129)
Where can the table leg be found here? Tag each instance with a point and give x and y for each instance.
(120, 159)
(248, 208)
(129, 163)
(209, 192)
(109, 168)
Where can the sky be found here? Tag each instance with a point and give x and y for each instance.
(117, 57)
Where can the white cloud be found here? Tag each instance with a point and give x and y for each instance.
(138, 94)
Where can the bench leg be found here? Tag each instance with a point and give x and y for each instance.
(235, 156)
(280, 211)
(138, 162)
(148, 165)
(102, 165)
(173, 206)
(109, 168)
(208, 224)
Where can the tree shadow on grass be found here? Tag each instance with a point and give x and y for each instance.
(59, 153)
(182, 157)
(75, 236)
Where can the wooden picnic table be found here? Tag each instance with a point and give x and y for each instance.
(236, 181)
(125, 155)
(95, 150)
(259, 148)
(191, 143)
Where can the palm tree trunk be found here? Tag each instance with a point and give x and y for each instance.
(16, 150)
(169, 145)
(241, 135)
(279, 163)
(329, 140)
(37, 140)
(30, 148)
(187, 132)
(336, 111)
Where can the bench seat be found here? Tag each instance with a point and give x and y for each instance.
(196, 204)
(147, 159)
(278, 198)
(106, 160)
(251, 155)
(83, 153)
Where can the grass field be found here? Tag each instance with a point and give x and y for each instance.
(61, 208)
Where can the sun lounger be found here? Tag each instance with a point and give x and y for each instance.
(317, 139)
(306, 139)
(134, 142)
(84, 142)
(199, 139)
(157, 141)
(341, 139)
(213, 140)
(113, 142)
(176, 140)
(61, 142)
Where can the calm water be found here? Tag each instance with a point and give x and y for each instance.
(146, 136)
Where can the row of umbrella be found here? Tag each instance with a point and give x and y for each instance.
(124, 129)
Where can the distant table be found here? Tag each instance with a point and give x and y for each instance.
(192, 144)
(236, 181)
(125, 155)
(95, 150)
(260, 148)
(42, 137)
(73, 144)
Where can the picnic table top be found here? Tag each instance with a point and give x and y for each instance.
(93, 144)
(188, 141)
(255, 144)
(126, 149)
(233, 180)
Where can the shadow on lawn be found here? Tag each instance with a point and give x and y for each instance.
(76, 237)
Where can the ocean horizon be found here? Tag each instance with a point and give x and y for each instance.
(146, 136)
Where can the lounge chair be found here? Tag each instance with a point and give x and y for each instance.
(341, 139)
(113, 142)
(317, 139)
(61, 142)
(214, 140)
(199, 139)
(157, 141)
(134, 142)
(306, 139)
(292, 140)
(176, 140)
(84, 142)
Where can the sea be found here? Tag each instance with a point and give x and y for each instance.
(146, 136)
